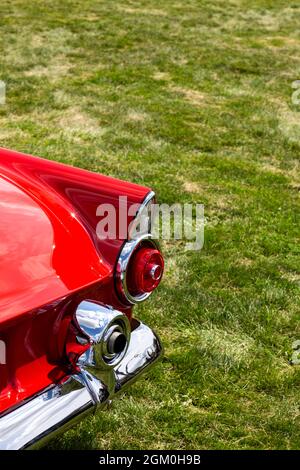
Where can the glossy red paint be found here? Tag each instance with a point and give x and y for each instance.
(50, 260)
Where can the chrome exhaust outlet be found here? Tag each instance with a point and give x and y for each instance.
(108, 332)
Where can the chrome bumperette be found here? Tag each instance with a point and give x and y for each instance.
(59, 407)
(144, 349)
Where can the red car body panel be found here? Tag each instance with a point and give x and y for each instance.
(50, 258)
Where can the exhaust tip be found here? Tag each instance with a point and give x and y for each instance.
(116, 343)
(108, 332)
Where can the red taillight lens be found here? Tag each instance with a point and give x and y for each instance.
(145, 271)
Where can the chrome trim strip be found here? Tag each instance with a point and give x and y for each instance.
(150, 196)
(56, 409)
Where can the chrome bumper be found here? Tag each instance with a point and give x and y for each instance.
(59, 407)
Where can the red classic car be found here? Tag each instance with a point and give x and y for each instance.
(68, 340)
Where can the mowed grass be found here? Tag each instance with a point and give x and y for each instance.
(192, 98)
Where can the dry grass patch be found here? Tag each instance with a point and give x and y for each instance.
(74, 120)
(143, 11)
(289, 124)
(292, 173)
(263, 19)
(245, 262)
(136, 116)
(229, 347)
(192, 187)
(54, 71)
(192, 96)
(233, 345)
(291, 276)
(279, 42)
(172, 272)
(162, 76)
(9, 133)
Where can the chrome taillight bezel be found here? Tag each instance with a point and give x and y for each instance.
(127, 251)
(122, 264)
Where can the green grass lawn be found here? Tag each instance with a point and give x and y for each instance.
(192, 98)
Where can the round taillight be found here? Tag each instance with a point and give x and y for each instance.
(139, 269)
(144, 271)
